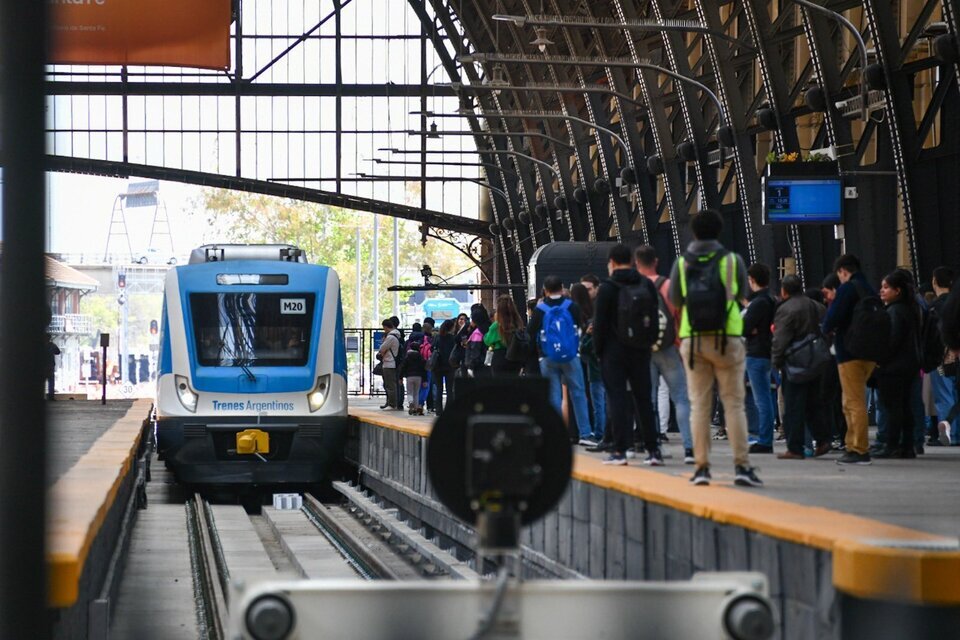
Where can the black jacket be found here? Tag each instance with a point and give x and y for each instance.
(605, 315)
(413, 365)
(904, 341)
(949, 313)
(756, 323)
(536, 319)
(444, 344)
(796, 317)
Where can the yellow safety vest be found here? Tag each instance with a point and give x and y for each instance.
(728, 276)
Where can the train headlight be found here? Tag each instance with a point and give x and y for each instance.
(188, 398)
(317, 397)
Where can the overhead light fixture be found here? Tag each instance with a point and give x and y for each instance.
(497, 79)
(541, 42)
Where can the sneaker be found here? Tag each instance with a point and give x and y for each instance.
(600, 447)
(837, 445)
(662, 438)
(616, 459)
(756, 447)
(688, 456)
(721, 434)
(747, 477)
(849, 457)
(654, 458)
(701, 476)
(909, 452)
(877, 447)
(943, 431)
(631, 453)
(587, 442)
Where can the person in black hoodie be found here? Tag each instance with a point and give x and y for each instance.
(756, 329)
(414, 370)
(895, 377)
(621, 364)
(444, 343)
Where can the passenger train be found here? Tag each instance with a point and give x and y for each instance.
(252, 383)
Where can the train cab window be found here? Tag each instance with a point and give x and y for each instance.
(252, 329)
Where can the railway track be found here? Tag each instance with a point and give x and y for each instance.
(356, 539)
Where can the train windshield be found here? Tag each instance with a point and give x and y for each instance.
(252, 329)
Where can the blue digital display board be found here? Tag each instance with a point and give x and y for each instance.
(802, 200)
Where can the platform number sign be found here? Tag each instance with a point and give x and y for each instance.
(293, 306)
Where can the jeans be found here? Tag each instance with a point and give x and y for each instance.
(571, 374)
(945, 396)
(426, 394)
(916, 413)
(441, 379)
(623, 367)
(598, 398)
(668, 364)
(916, 409)
(758, 371)
(895, 394)
(803, 409)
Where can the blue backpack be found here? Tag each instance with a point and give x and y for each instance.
(559, 338)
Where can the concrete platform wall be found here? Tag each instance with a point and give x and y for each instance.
(607, 534)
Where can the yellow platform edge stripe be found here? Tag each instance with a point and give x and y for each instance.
(79, 501)
(859, 568)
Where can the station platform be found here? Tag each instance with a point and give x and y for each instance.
(73, 426)
(95, 466)
(838, 544)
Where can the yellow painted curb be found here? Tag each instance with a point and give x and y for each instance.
(79, 501)
(871, 559)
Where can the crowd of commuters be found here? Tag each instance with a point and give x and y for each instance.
(712, 345)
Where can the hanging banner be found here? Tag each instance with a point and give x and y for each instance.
(179, 33)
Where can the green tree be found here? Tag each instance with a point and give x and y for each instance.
(329, 236)
(105, 312)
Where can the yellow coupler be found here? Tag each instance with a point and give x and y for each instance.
(250, 441)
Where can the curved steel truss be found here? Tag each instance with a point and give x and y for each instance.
(583, 140)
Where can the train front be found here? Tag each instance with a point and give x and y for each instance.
(252, 377)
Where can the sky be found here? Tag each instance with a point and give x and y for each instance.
(79, 210)
(90, 126)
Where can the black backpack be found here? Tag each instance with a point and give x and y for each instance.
(666, 325)
(932, 348)
(401, 350)
(706, 295)
(867, 337)
(520, 348)
(638, 322)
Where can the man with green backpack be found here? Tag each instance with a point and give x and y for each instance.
(706, 284)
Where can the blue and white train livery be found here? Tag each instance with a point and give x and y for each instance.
(252, 376)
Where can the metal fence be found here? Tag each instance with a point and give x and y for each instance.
(362, 345)
(71, 323)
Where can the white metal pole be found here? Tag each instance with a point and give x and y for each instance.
(396, 265)
(358, 298)
(125, 350)
(375, 258)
